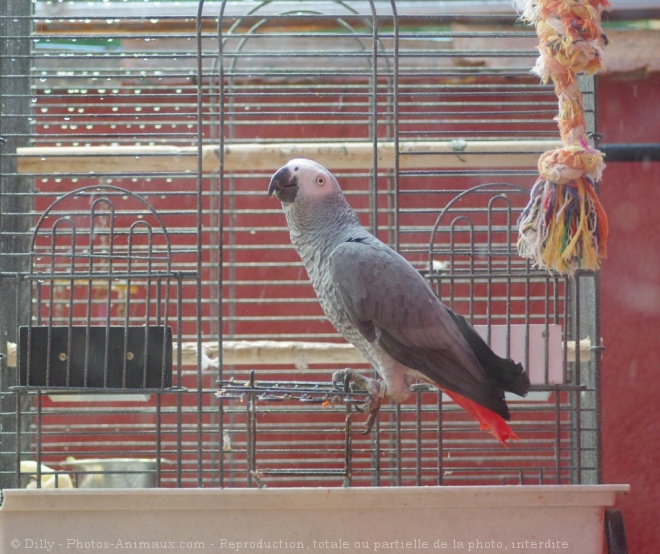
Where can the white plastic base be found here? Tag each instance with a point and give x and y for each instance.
(566, 519)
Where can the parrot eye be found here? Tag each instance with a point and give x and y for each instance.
(320, 181)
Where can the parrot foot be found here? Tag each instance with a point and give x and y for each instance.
(350, 380)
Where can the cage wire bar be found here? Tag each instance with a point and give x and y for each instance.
(135, 226)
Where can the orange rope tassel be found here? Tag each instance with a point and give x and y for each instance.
(564, 226)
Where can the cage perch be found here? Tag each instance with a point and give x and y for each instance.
(298, 353)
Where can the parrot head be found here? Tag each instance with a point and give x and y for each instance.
(301, 179)
(312, 200)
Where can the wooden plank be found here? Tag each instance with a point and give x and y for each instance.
(267, 157)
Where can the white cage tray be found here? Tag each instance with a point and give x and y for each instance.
(563, 518)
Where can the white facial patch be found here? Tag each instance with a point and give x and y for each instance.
(313, 179)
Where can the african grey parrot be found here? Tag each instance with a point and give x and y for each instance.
(381, 304)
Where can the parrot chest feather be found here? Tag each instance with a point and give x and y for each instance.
(315, 255)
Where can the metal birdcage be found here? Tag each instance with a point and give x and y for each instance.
(160, 329)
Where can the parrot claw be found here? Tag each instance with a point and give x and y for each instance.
(350, 380)
(341, 380)
(373, 416)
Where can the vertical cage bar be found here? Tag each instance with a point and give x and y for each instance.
(577, 394)
(373, 119)
(591, 321)
(220, 228)
(348, 447)
(38, 446)
(418, 438)
(15, 128)
(395, 122)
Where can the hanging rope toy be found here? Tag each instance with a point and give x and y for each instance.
(564, 226)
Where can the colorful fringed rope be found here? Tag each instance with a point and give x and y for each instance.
(564, 226)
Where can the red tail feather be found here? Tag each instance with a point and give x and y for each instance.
(488, 420)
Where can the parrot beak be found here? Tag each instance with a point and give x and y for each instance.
(284, 186)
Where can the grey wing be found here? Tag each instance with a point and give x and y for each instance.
(392, 305)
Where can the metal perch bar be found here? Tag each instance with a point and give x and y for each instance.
(463, 154)
(303, 391)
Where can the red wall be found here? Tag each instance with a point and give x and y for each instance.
(630, 289)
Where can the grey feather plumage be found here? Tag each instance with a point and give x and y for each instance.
(380, 303)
